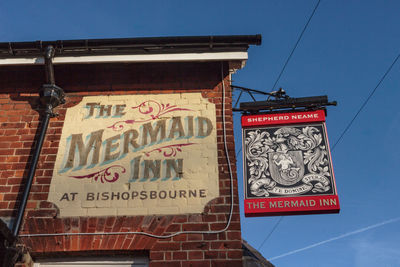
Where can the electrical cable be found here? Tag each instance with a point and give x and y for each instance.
(295, 46)
(279, 76)
(366, 101)
(240, 150)
(180, 232)
(337, 238)
(270, 233)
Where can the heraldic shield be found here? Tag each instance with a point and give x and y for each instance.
(286, 168)
(287, 161)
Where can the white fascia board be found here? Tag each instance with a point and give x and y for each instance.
(183, 57)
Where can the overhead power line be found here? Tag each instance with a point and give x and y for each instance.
(337, 238)
(295, 46)
(366, 101)
(279, 76)
(270, 233)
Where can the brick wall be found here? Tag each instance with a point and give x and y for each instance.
(19, 121)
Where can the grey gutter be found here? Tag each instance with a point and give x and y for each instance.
(144, 45)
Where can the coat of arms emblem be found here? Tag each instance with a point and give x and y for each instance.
(286, 168)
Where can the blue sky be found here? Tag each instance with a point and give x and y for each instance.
(344, 53)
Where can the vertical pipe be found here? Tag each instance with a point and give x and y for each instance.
(31, 174)
(46, 101)
(48, 62)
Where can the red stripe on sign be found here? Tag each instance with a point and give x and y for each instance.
(283, 118)
(291, 205)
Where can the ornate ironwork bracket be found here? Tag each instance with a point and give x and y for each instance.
(281, 102)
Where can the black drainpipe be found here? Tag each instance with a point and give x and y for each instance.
(50, 97)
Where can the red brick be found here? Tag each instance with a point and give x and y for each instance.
(235, 254)
(9, 132)
(7, 151)
(195, 245)
(6, 213)
(180, 219)
(201, 263)
(49, 150)
(165, 264)
(167, 246)
(22, 131)
(46, 205)
(194, 255)
(43, 180)
(168, 256)
(7, 174)
(6, 144)
(15, 145)
(195, 227)
(211, 255)
(11, 196)
(192, 237)
(234, 235)
(173, 228)
(217, 226)
(28, 137)
(5, 189)
(41, 214)
(227, 263)
(226, 245)
(22, 151)
(156, 255)
(179, 255)
(39, 196)
(13, 125)
(27, 144)
(181, 237)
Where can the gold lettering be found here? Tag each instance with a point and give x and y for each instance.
(190, 125)
(154, 166)
(104, 109)
(148, 130)
(201, 131)
(119, 110)
(176, 127)
(110, 145)
(91, 108)
(178, 169)
(77, 142)
(130, 137)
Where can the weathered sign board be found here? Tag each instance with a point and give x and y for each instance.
(136, 155)
(287, 165)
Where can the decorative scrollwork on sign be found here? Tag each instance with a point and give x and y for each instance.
(151, 108)
(171, 150)
(279, 158)
(155, 109)
(110, 174)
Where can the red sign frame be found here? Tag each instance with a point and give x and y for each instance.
(283, 118)
(266, 191)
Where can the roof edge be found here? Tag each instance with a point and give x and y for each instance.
(145, 45)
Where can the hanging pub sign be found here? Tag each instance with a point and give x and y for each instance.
(287, 165)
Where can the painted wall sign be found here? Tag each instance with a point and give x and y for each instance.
(287, 165)
(136, 155)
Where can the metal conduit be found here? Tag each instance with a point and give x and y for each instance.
(50, 97)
